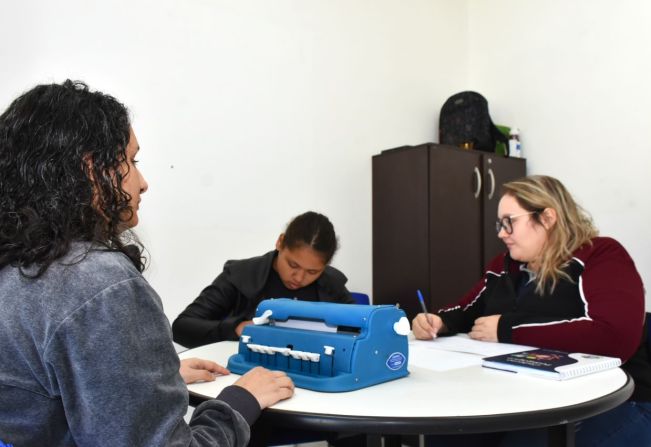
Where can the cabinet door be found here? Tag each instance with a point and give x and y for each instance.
(455, 217)
(400, 227)
(496, 171)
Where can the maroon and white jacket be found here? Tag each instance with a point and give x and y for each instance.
(600, 311)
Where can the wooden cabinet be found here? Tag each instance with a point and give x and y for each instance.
(434, 213)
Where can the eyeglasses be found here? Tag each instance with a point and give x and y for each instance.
(506, 222)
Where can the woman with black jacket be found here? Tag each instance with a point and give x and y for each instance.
(298, 268)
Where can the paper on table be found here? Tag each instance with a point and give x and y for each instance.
(458, 351)
(465, 344)
(439, 360)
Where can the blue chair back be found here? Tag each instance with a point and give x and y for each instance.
(360, 298)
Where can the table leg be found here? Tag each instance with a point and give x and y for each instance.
(392, 441)
(260, 434)
(561, 435)
(373, 441)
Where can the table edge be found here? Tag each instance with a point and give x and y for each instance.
(443, 425)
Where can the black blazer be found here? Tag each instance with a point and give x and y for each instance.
(235, 294)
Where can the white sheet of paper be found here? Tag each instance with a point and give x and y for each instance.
(463, 343)
(458, 351)
(307, 325)
(439, 360)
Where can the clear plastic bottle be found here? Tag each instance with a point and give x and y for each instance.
(515, 149)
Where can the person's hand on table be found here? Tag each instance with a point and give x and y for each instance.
(427, 326)
(268, 387)
(194, 370)
(485, 328)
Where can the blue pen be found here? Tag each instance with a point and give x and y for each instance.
(422, 305)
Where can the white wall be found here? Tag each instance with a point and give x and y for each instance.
(574, 76)
(249, 112)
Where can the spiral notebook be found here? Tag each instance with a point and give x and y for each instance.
(551, 364)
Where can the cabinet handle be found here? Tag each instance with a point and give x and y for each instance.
(492, 176)
(478, 177)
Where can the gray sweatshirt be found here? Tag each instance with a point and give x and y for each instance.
(86, 359)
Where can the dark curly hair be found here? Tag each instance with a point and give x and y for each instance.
(54, 139)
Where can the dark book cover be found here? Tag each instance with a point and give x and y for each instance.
(550, 363)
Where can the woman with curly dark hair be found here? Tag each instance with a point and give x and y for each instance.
(53, 140)
(87, 354)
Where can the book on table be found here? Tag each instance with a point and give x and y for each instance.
(551, 364)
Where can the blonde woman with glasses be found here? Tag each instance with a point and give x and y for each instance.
(559, 286)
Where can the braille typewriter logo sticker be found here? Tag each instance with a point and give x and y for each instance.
(395, 361)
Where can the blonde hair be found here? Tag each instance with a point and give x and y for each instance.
(573, 228)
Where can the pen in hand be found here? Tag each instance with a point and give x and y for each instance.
(422, 305)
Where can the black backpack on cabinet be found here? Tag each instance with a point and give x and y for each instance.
(465, 122)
